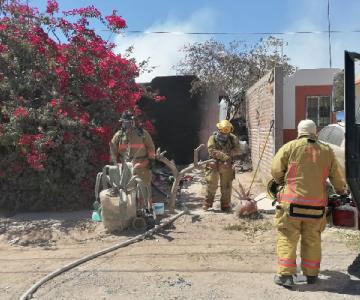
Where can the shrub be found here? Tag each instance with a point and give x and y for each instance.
(60, 100)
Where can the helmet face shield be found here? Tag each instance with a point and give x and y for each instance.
(222, 137)
(224, 127)
(126, 124)
(127, 120)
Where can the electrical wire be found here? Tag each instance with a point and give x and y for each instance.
(237, 33)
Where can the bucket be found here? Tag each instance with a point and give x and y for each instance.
(346, 216)
(158, 208)
(96, 216)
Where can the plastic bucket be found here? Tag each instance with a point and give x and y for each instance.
(158, 208)
(96, 216)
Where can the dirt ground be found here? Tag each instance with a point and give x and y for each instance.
(202, 255)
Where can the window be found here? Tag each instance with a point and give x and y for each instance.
(318, 109)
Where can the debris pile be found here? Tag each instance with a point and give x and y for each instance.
(246, 206)
(178, 282)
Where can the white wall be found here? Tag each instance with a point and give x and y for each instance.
(357, 102)
(222, 109)
(303, 77)
(209, 110)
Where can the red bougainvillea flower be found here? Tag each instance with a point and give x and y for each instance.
(67, 70)
(20, 112)
(149, 127)
(3, 26)
(84, 118)
(21, 9)
(68, 137)
(90, 11)
(3, 48)
(35, 160)
(26, 139)
(29, 139)
(86, 67)
(116, 22)
(93, 92)
(104, 132)
(49, 144)
(52, 6)
(55, 102)
(159, 98)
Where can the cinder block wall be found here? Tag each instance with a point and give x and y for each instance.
(264, 105)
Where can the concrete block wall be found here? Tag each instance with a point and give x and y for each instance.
(264, 106)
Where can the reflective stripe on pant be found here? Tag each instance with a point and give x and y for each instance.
(289, 231)
(212, 178)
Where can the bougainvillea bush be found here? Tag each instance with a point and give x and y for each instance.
(62, 89)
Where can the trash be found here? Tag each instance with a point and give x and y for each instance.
(243, 164)
(117, 211)
(264, 204)
(246, 206)
(96, 216)
(158, 208)
(244, 147)
(179, 282)
(187, 178)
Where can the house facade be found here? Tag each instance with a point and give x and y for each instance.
(307, 95)
(277, 103)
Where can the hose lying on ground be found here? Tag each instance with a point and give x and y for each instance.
(29, 293)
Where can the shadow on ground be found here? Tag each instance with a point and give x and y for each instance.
(333, 282)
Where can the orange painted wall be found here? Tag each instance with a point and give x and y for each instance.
(301, 92)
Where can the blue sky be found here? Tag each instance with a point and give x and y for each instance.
(305, 51)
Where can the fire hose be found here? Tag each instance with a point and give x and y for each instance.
(29, 293)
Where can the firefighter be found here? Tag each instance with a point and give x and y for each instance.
(302, 167)
(133, 144)
(222, 146)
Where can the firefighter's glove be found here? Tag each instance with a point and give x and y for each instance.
(225, 157)
(221, 155)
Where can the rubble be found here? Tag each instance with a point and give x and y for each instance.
(179, 281)
(243, 163)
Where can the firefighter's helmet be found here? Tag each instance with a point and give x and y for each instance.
(224, 127)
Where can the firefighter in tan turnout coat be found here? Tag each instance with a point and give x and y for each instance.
(222, 146)
(135, 144)
(302, 167)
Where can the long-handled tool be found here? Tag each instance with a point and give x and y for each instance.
(248, 206)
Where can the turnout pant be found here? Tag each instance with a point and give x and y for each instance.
(289, 231)
(226, 175)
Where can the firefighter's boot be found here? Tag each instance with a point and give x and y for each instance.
(284, 280)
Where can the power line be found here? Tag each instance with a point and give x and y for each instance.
(238, 33)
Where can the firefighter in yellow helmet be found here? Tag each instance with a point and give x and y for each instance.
(133, 143)
(222, 146)
(302, 167)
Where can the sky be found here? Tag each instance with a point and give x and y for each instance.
(238, 17)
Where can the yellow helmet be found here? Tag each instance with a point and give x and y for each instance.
(224, 126)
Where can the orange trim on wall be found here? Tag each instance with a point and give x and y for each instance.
(289, 135)
(301, 92)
